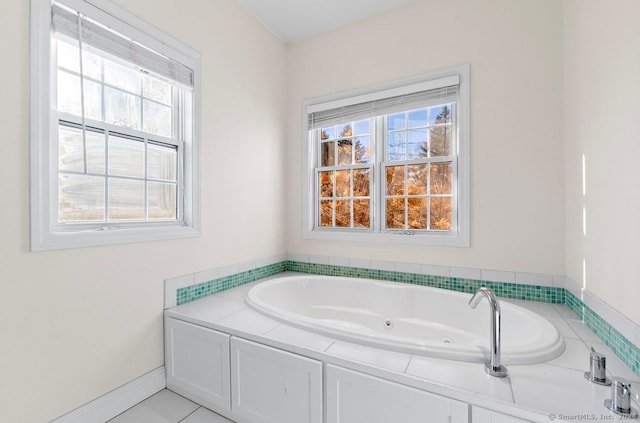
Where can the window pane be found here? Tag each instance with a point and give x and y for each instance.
(395, 180)
(417, 118)
(328, 133)
(71, 151)
(91, 65)
(343, 183)
(396, 147)
(441, 178)
(80, 198)
(440, 213)
(122, 77)
(162, 162)
(396, 121)
(417, 180)
(157, 118)
(68, 55)
(328, 153)
(126, 199)
(161, 201)
(326, 184)
(121, 108)
(361, 183)
(68, 92)
(126, 157)
(440, 114)
(362, 127)
(344, 152)
(92, 100)
(417, 213)
(362, 150)
(361, 214)
(395, 213)
(440, 138)
(345, 130)
(417, 146)
(343, 213)
(326, 213)
(156, 89)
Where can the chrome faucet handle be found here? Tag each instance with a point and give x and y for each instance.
(620, 402)
(597, 369)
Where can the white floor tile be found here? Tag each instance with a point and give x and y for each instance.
(372, 356)
(464, 375)
(202, 415)
(163, 407)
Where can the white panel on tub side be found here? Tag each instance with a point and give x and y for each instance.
(353, 397)
(274, 386)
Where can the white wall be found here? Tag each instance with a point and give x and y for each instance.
(76, 324)
(602, 110)
(515, 52)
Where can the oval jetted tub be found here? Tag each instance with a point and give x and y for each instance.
(407, 318)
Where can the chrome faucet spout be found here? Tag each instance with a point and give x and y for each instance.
(493, 366)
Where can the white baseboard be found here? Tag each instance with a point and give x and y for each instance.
(119, 400)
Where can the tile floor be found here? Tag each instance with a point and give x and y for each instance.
(168, 407)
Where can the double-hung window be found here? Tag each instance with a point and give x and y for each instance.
(390, 163)
(114, 143)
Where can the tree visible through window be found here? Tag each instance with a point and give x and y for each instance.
(418, 167)
(390, 162)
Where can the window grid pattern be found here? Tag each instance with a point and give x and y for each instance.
(126, 178)
(124, 165)
(416, 182)
(420, 172)
(344, 176)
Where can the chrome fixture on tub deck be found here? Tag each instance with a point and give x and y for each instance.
(620, 402)
(493, 366)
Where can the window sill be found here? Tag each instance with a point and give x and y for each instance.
(432, 239)
(64, 240)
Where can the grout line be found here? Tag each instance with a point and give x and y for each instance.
(188, 415)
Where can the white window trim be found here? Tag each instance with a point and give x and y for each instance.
(460, 238)
(43, 151)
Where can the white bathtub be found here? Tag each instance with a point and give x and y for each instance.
(406, 318)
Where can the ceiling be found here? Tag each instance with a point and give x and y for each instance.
(293, 20)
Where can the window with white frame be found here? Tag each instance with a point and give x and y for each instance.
(390, 163)
(115, 118)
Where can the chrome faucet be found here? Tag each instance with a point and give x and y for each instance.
(493, 366)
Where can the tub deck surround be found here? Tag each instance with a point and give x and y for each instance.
(405, 318)
(532, 392)
(623, 339)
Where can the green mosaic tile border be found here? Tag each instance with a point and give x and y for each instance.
(195, 292)
(502, 289)
(626, 350)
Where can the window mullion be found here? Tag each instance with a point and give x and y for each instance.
(107, 146)
(380, 148)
